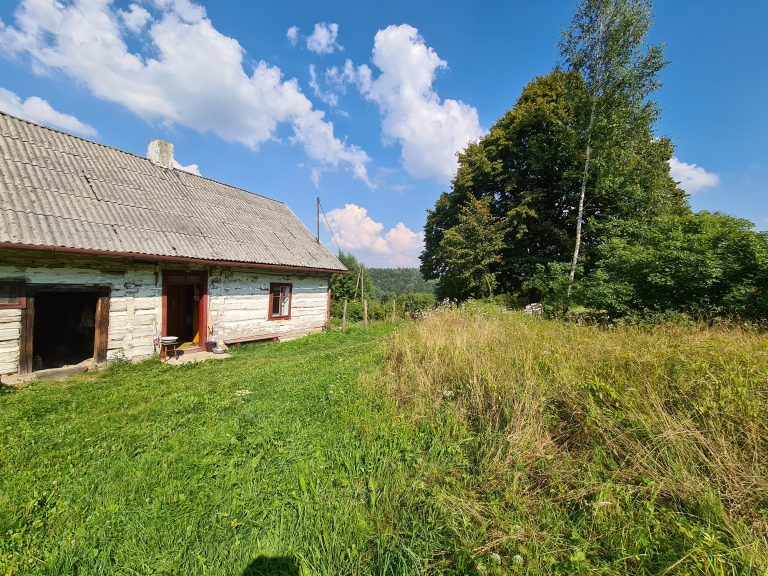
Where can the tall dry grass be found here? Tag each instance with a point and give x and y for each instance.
(633, 450)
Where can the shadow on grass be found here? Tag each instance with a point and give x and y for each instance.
(7, 389)
(272, 566)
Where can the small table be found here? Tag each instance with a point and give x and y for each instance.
(168, 347)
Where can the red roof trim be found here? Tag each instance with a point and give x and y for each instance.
(158, 258)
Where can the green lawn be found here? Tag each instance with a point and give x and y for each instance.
(274, 461)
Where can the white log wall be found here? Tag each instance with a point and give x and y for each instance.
(238, 303)
(238, 300)
(135, 299)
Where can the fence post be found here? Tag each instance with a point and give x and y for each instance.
(394, 310)
(365, 313)
(344, 317)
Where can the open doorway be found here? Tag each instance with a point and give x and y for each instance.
(185, 307)
(64, 327)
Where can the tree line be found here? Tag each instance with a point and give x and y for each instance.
(569, 199)
(380, 287)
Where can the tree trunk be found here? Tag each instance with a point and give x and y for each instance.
(587, 156)
(580, 213)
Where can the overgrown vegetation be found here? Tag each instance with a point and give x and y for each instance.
(583, 450)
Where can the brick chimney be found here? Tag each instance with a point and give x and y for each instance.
(161, 153)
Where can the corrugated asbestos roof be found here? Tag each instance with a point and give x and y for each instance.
(60, 190)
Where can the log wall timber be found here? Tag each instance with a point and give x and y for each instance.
(10, 331)
(239, 304)
(134, 305)
(238, 300)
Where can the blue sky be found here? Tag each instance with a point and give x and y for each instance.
(365, 104)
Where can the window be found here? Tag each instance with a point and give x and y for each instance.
(280, 301)
(12, 295)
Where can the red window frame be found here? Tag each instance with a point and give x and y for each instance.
(21, 299)
(280, 286)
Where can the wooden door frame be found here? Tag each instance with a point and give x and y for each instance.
(202, 312)
(101, 321)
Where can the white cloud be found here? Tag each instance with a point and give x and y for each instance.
(37, 110)
(135, 18)
(356, 231)
(323, 38)
(330, 97)
(195, 75)
(691, 177)
(293, 35)
(429, 131)
(192, 168)
(335, 80)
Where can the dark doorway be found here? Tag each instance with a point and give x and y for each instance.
(64, 328)
(184, 313)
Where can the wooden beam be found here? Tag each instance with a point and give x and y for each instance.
(26, 349)
(101, 335)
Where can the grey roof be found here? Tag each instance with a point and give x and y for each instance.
(60, 190)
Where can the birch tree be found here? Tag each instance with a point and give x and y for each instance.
(606, 45)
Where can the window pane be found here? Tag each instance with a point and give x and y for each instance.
(286, 300)
(276, 302)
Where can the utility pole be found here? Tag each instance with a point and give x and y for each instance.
(318, 219)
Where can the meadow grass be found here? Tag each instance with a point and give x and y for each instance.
(629, 451)
(472, 441)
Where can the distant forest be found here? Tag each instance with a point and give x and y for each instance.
(389, 281)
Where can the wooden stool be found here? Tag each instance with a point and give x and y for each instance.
(166, 348)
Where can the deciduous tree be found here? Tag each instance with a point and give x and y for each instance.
(606, 46)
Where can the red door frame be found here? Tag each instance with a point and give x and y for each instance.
(202, 313)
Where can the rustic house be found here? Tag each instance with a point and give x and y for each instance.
(102, 252)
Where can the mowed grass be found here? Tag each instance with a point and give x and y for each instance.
(473, 441)
(272, 459)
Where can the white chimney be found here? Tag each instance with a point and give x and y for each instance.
(161, 153)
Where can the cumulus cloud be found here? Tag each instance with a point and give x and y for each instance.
(430, 131)
(691, 177)
(191, 74)
(191, 168)
(356, 231)
(293, 35)
(335, 81)
(323, 38)
(37, 110)
(135, 18)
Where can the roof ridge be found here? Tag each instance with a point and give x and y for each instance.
(70, 135)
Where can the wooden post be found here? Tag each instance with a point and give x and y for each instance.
(344, 317)
(365, 313)
(101, 332)
(394, 310)
(26, 362)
